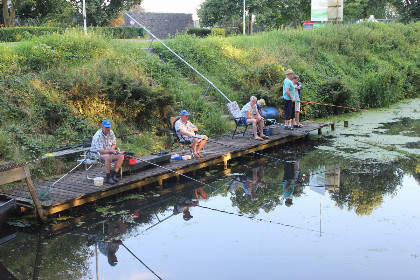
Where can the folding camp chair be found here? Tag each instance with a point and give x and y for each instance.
(235, 113)
(89, 158)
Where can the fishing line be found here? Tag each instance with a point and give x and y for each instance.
(140, 261)
(332, 105)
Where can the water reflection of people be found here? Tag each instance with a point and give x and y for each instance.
(110, 243)
(252, 180)
(291, 173)
(188, 200)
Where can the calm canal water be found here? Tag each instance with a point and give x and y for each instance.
(329, 208)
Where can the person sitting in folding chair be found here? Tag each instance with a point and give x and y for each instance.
(104, 143)
(250, 115)
(186, 130)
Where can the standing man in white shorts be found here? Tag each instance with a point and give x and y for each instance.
(298, 97)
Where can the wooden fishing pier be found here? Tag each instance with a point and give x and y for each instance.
(75, 189)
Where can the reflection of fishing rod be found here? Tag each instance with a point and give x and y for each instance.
(140, 261)
(160, 221)
(88, 235)
(205, 184)
(279, 159)
(252, 218)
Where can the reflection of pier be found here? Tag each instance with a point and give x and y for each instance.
(332, 178)
(75, 189)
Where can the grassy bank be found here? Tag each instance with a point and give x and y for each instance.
(363, 65)
(55, 90)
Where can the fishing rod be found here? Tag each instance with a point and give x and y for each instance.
(141, 261)
(80, 163)
(332, 105)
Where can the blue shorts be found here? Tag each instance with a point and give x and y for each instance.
(289, 109)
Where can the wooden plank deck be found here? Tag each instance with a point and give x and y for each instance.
(75, 189)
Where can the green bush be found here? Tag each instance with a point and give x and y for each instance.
(199, 32)
(333, 92)
(5, 146)
(16, 34)
(218, 32)
(52, 50)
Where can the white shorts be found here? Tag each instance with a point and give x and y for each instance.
(297, 106)
(197, 136)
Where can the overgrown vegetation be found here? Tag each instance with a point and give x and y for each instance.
(55, 89)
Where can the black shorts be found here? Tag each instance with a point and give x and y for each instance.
(289, 109)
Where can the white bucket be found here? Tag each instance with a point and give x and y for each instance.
(98, 181)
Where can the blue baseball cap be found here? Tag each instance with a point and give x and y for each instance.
(187, 218)
(106, 123)
(184, 112)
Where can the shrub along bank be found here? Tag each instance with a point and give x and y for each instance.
(55, 89)
(16, 34)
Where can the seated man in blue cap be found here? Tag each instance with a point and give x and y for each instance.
(104, 143)
(185, 129)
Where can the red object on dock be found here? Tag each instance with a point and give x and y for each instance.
(132, 161)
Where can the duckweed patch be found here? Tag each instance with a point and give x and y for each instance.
(378, 135)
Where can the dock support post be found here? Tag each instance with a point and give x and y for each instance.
(38, 206)
(22, 172)
(226, 158)
(319, 131)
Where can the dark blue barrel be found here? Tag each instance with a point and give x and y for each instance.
(271, 113)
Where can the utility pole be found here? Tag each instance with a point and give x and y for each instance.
(84, 16)
(244, 18)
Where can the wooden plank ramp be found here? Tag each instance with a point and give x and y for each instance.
(75, 189)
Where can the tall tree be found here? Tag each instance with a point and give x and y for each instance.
(9, 11)
(220, 12)
(100, 12)
(409, 10)
(362, 9)
(270, 13)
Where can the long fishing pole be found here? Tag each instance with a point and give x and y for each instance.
(332, 105)
(141, 261)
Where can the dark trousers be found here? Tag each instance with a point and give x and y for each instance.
(289, 109)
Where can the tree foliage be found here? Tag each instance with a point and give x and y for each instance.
(409, 10)
(269, 13)
(38, 12)
(99, 12)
